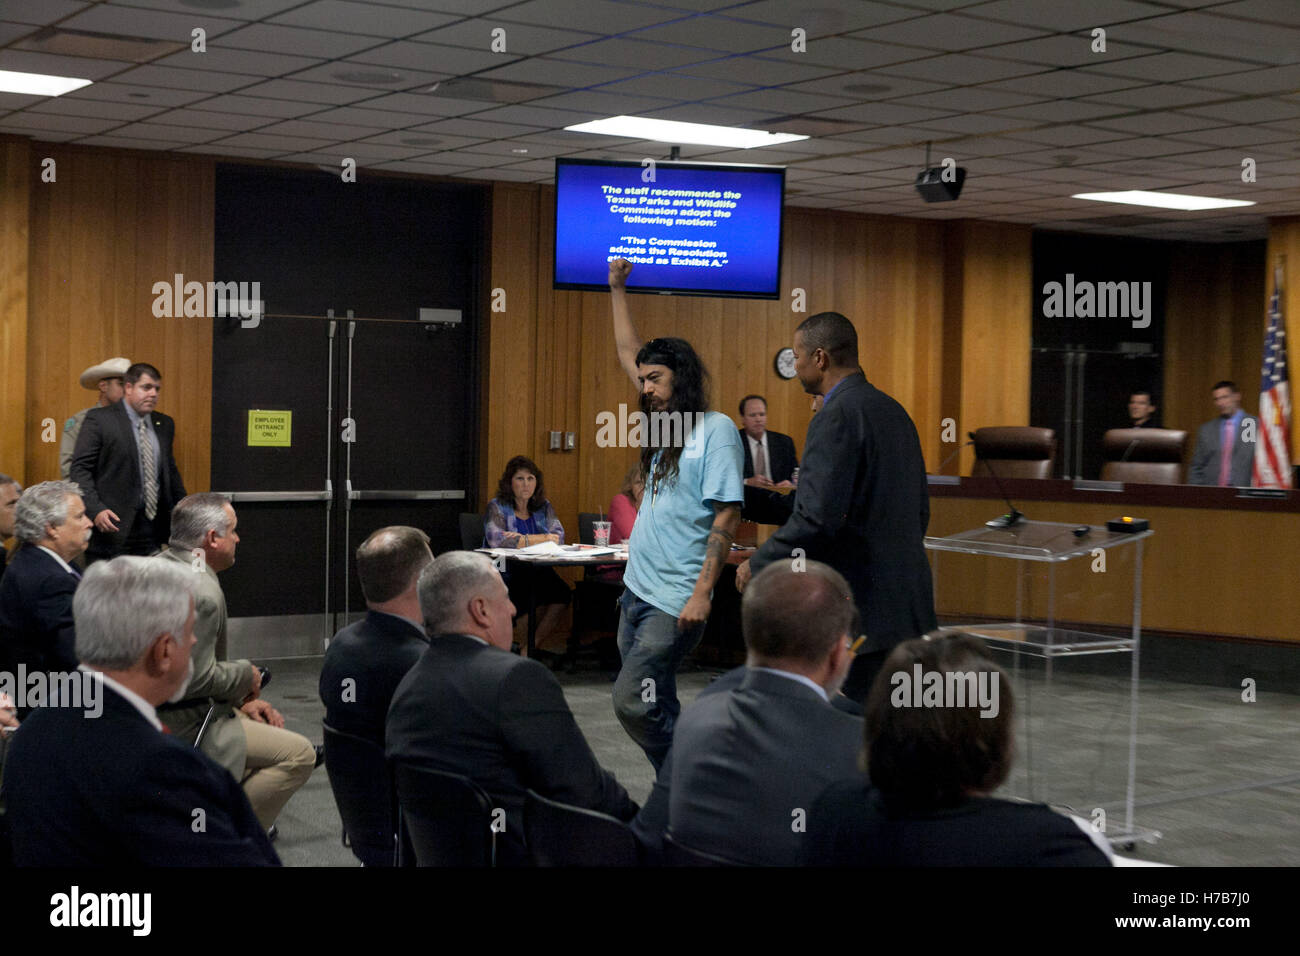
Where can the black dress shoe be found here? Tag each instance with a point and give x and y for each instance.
(320, 755)
(272, 833)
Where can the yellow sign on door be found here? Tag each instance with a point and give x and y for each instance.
(269, 429)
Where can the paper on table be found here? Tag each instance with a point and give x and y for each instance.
(545, 547)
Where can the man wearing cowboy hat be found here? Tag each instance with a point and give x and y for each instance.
(106, 377)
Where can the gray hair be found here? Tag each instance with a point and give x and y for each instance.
(448, 584)
(194, 516)
(122, 606)
(41, 506)
(7, 480)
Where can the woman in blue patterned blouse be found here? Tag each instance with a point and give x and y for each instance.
(518, 517)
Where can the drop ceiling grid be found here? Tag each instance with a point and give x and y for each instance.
(999, 84)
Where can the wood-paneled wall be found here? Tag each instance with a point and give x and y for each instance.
(551, 363)
(1214, 330)
(15, 178)
(112, 224)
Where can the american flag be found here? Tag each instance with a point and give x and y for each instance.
(1273, 447)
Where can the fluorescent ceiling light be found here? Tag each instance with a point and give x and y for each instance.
(1140, 197)
(39, 84)
(692, 134)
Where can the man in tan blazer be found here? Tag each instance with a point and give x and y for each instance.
(245, 734)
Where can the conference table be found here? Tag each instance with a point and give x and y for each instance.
(580, 555)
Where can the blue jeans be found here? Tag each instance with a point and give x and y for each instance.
(652, 648)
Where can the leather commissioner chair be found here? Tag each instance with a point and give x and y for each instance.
(1152, 456)
(1015, 452)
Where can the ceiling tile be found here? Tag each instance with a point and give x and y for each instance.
(558, 72)
(758, 70)
(371, 19)
(253, 106)
(169, 77)
(960, 69)
(620, 51)
(951, 32)
(565, 13)
(40, 14)
(130, 93)
(325, 93)
(598, 101)
(1066, 17)
(65, 106)
(1259, 110)
(297, 41)
(1157, 96)
(152, 24)
(824, 18)
(1174, 67)
(432, 58)
(1278, 79)
(208, 119)
(673, 86)
(60, 124)
(521, 39)
(1061, 51)
(719, 33)
(248, 62)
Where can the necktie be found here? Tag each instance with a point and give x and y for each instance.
(760, 461)
(150, 470)
(1225, 456)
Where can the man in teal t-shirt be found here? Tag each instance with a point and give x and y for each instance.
(692, 461)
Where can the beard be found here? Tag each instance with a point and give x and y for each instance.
(185, 685)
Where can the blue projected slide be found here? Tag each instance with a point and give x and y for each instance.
(696, 229)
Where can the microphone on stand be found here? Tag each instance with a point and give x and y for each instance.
(1129, 450)
(1014, 515)
(944, 464)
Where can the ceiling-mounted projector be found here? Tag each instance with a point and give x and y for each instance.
(940, 183)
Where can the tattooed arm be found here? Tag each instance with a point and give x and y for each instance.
(726, 517)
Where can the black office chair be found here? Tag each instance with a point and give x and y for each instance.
(359, 778)
(677, 855)
(445, 819)
(560, 834)
(471, 531)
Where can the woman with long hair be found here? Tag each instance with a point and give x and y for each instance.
(520, 516)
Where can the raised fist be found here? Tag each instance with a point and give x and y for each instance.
(618, 272)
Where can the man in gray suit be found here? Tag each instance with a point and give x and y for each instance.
(746, 765)
(1234, 430)
(246, 735)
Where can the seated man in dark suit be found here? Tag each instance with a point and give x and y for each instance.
(366, 661)
(1141, 410)
(9, 492)
(746, 765)
(36, 628)
(770, 462)
(124, 464)
(105, 785)
(938, 737)
(471, 707)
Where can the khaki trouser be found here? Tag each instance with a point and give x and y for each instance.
(279, 761)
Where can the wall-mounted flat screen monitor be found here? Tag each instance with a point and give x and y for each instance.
(687, 228)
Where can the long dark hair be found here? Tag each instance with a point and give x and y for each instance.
(690, 395)
(507, 494)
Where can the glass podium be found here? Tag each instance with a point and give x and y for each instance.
(1041, 548)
